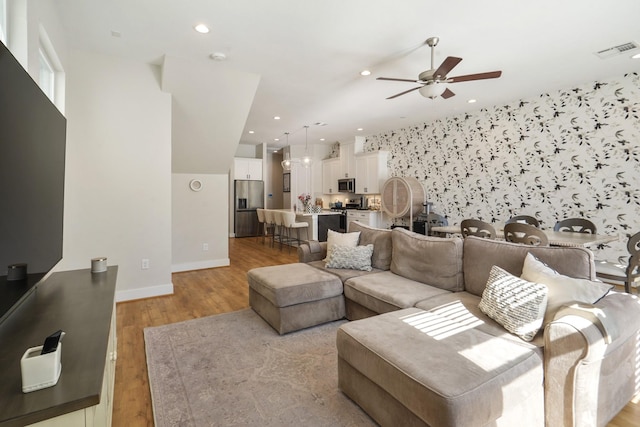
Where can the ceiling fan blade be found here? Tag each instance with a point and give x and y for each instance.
(397, 80)
(402, 93)
(447, 94)
(446, 66)
(479, 76)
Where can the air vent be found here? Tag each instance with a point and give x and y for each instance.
(617, 50)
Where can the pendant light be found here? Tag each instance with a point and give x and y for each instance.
(286, 161)
(306, 160)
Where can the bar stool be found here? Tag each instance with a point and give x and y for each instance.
(261, 224)
(289, 223)
(269, 220)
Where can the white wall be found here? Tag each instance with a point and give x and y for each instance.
(192, 227)
(118, 182)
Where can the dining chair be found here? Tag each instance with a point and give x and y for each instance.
(436, 220)
(518, 232)
(289, 223)
(620, 273)
(575, 225)
(524, 219)
(476, 227)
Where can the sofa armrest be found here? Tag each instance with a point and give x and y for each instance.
(582, 343)
(312, 251)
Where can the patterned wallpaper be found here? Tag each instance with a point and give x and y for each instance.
(570, 153)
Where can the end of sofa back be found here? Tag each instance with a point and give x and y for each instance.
(482, 254)
(381, 241)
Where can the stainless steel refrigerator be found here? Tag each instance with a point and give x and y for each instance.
(248, 196)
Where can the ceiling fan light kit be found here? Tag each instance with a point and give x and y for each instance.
(434, 81)
(433, 90)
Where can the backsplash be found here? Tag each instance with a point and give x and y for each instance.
(570, 153)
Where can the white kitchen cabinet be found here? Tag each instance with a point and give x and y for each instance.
(371, 172)
(330, 175)
(370, 218)
(347, 160)
(245, 168)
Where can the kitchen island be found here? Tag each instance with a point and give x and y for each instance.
(320, 223)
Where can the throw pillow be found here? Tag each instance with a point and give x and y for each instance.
(342, 239)
(516, 304)
(563, 290)
(358, 258)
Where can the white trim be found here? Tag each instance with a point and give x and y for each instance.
(3, 22)
(148, 292)
(200, 265)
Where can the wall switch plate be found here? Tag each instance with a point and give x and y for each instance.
(145, 264)
(205, 246)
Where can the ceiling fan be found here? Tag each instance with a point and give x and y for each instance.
(434, 82)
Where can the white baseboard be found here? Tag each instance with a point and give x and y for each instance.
(148, 292)
(200, 265)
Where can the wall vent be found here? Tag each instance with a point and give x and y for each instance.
(617, 50)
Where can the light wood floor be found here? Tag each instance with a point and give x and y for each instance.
(197, 294)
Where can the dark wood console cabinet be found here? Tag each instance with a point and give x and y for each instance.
(81, 304)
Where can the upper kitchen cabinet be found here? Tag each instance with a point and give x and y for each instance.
(245, 168)
(330, 175)
(348, 151)
(371, 172)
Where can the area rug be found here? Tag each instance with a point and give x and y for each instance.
(233, 369)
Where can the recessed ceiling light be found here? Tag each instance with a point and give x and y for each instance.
(252, 132)
(218, 56)
(201, 28)
(471, 101)
(276, 117)
(359, 129)
(365, 73)
(276, 139)
(636, 56)
(321, 139)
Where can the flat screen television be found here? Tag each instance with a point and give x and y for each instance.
(32, 163)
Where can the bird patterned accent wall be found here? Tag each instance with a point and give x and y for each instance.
(569, 153)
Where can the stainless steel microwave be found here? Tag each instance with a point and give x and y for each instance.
(347, 185)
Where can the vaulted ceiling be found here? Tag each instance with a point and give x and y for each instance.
(309, 53)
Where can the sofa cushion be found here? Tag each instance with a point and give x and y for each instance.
(343, 274)
(516, 304)
(482, 254)
(386, 291)
(443, 372)
(463, 307)
(563, 290)
(381, 241)
(358, 258)
(431, 260)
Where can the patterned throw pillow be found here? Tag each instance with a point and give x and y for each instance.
(516, 304)
(357, 258)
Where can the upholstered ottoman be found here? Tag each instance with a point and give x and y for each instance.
(295, 296)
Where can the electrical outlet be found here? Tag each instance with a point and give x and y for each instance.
(205, 246)
(145, 264)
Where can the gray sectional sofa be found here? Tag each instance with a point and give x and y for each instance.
(419, 351)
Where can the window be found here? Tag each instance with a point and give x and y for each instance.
(47, 75)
